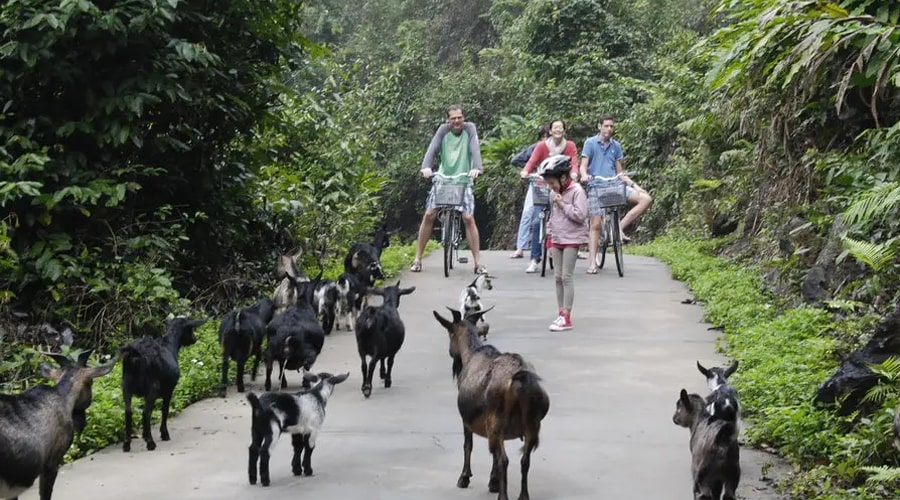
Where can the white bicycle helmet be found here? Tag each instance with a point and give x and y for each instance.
(555, 166)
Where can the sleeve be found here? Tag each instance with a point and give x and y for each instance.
(540, 153)
(474, 147)
(521, 159)
(572, 152)
(428, 161)
(619, 153)
(578, 209)
(587, 150)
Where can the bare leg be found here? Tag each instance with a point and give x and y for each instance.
(472, 237)
(594, 241)
(425, 232)
(641, 202)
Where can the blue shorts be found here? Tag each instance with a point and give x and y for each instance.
(468, 201)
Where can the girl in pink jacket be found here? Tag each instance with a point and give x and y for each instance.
(567, 230)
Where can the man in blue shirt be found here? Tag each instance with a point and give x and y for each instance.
(602, 156)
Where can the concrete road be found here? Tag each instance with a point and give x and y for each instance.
(613, 382)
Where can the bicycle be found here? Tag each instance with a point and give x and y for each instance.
(540, 196)
(448, 200)
(606, 195)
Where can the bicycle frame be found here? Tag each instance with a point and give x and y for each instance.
(451, 229)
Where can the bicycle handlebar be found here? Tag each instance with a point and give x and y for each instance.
(457, 176)
(600, 178)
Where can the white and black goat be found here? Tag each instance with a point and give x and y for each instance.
(368, 255)
(38, 425)
(470, 302)
(326, 300)
(351, 291)
(295, 337)
(300, 414)
(150, 370)
(722, 402)
(241, 335)
(379, 335)
(715, 453)
(288, 272)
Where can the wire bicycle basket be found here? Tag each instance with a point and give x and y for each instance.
(610, 194)
(449, 194)
(540, 193)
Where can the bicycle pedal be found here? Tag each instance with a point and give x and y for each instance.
(463, 260)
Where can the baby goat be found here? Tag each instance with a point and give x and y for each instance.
(288, 271)
(500, 397)
(715, 454)
(241, 335)
(722, 402)
(470, 301)
(301, 414)
(38, 425)
(150, 370)
(379, 335)
(325, 301)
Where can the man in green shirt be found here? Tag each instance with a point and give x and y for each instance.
(456, 145)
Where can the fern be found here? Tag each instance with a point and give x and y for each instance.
(876, 255)
(888, 385)
(883, 475)
(875, 204)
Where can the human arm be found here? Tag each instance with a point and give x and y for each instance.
(540, 154)
(521, 159)
(578, 209)
(572, 152)
(474, 149)
(433, 148)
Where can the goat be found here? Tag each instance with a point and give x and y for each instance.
(295, 337)
(715, 454)
(288, 271)
(368, 255)
(38, 426)
(325, 301)
(470, 301)
(150, 370)
(500, 397)
(351, 289)
(241, 334)
(722, 402)
(379, 335)
(301, 414)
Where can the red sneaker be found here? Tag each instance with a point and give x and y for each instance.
(562, 323)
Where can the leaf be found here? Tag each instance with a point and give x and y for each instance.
(877, 256)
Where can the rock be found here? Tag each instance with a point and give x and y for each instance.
(854, 378)
(815, 284)
(723, 225)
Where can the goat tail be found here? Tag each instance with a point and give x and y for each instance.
(135, 370)
(253, 399)
(533, 402)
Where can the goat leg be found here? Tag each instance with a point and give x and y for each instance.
(253, 458)
(281, 375)
(364, 367)
(239, 379)
(381, 372)
(268, 383)
(298, 441)
(126, 444)
(257, 355)
(48, 479)
(164, 424)
(149, 403)
(502, 465)
(367, 384)
(390, 369)
(309, 443)
(526, 464)
(466, 473)
(264, 461)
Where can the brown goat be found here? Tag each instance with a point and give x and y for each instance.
(500, 398)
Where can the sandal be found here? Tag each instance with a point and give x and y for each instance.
(416, 266)
(591, 270)
(516, 255)
(480, 269)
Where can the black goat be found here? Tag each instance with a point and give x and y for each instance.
(722, 402)
(499, 397)
(38, 425)
(301, 414)
(715, 454)
(150, 370)
(295, 337)
(241, 335)
(379, 335)
(368, 255)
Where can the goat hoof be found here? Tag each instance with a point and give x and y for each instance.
(296, 471)
(494, 486)
(463, 482)
(151, 446)
(387, 383)
(367, 391)
(307, 472)
(126, 447)
(164, 437)
(264, 482)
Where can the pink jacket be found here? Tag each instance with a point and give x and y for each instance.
(568, 224)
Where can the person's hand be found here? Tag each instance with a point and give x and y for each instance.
(426, 173)
(557, 198)
(474, 173)
(587, 178)
(523, 174)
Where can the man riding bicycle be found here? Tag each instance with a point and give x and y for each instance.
(602, 157)
(455, 144)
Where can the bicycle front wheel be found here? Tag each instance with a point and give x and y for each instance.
(543, 243)
(605, 236)
(447, 242)
(617, 245)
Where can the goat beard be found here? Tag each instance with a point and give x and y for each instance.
(457, 366)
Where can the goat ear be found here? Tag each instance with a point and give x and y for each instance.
(457, 316)
(731, 369)
(703, 370)
(99, 371)
(61, 360)
(83, 357)
(685, 400)
(475, 316)
(407, 291)
(194, 323)
(49, 372)
(445, 323)
(337, 379)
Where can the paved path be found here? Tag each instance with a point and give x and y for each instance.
(613, 383)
